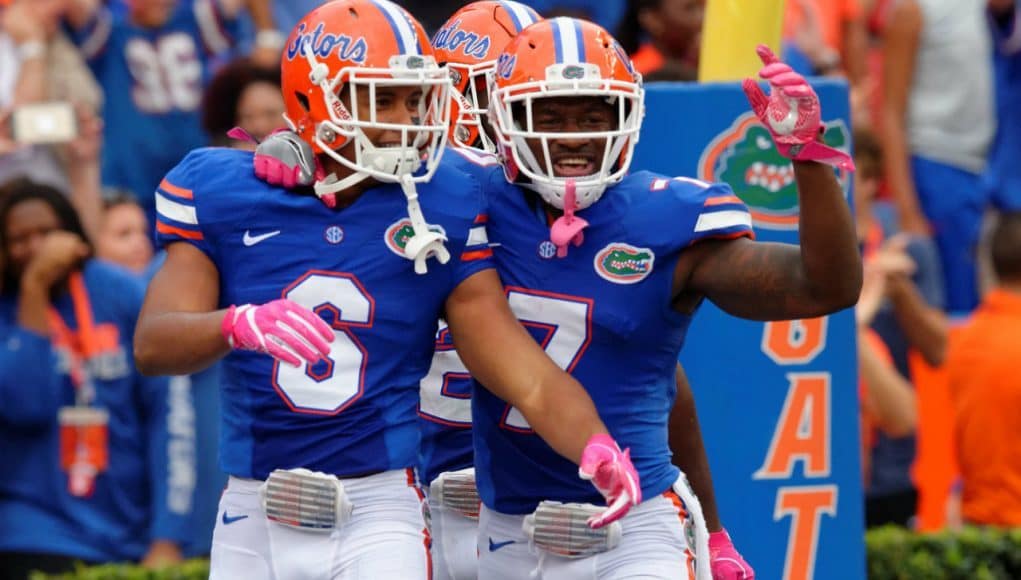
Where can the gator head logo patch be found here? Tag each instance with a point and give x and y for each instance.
(399, 232)
(622, 263)
(744, 157)
(573, 72)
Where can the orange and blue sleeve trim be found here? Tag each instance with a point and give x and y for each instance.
(723, 216)
(477, 246)
(176, 215)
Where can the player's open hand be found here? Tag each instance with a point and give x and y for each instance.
(613, 474)
(791, 113)
(725, 562)
(282, 328)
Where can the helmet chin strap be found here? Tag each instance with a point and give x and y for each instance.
(327, 187)
(396, 161)
(425, 243)
(567, 229)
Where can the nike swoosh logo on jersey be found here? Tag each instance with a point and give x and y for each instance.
(227, 520)
(494, 546)
(250, 240)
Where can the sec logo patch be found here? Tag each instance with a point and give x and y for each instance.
(547, 250)
(334, 235)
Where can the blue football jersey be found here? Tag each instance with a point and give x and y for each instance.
(445, 410)
(604, 314)
(355, 413)
(445, 407)
(153, 80)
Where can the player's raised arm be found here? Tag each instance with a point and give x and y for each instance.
(766, 281)
(504, 359)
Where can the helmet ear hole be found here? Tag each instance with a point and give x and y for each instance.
(303, 101)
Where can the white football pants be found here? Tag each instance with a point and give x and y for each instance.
(386, 536)
(455, 544)
(656, 543)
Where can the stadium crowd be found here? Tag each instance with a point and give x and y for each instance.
(99, 100)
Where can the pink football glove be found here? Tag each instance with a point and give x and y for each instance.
(725, 562)
(611, 471)
(281, 328)
(791, 113)
(286, 160)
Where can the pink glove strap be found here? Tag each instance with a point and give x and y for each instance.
(227, 325)
(720, 539)
(820, 153)
(603, 439)
(242, 135)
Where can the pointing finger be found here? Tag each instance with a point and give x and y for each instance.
(766, 54)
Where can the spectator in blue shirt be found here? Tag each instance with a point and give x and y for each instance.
(99, 460)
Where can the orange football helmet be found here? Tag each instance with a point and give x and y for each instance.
(469, 44)
(564, 57)
(345, 45)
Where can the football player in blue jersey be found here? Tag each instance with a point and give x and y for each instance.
(469, 44)
(344, 295)
(608, 266)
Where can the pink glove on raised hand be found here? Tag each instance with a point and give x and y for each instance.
(613, 474)
(281, 328)
(725, 562)
(791, 113)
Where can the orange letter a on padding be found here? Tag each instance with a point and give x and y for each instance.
(803, 431)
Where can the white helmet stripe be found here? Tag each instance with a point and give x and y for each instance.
(566, 37)
(521, 15)
(407, 40)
